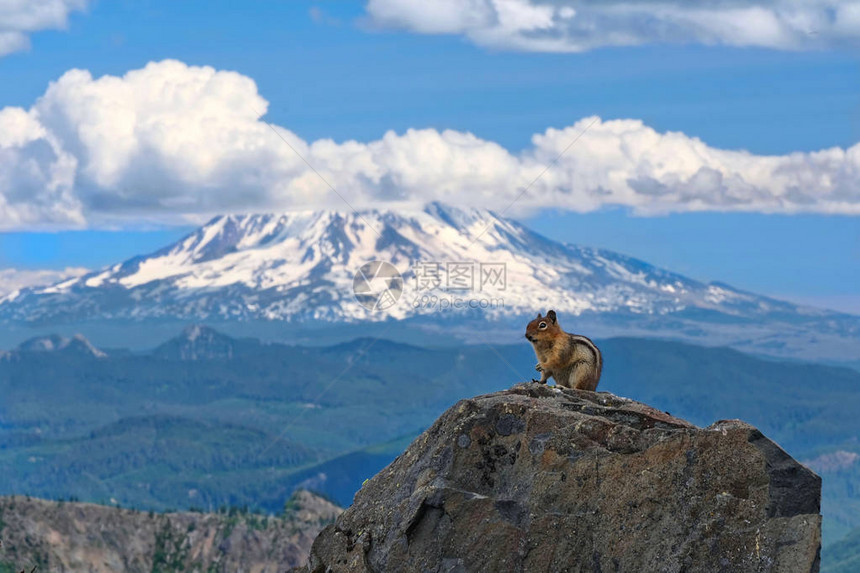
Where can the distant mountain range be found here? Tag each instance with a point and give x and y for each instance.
(205, 419)
(299, 270)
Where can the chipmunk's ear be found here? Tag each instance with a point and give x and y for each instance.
(540, 315)
(551, 315)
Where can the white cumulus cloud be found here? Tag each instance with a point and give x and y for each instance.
(19, 18)
(36, 175)
(580, 25)
(175, 142)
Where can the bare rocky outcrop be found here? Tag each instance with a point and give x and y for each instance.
(74, 537)
(542, 479)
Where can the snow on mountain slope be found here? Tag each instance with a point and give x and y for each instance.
(299, 267)
(15, 279)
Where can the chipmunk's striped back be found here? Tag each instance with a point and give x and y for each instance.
(598, 357)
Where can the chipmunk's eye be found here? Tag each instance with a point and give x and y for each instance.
(543, 325)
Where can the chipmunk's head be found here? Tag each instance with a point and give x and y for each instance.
(543, 327)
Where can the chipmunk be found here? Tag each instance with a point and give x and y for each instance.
(573, 361)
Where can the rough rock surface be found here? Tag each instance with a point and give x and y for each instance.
(541, 479)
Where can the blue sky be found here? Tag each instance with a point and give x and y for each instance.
(329, 71)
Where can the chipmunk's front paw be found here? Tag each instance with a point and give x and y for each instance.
(538, 368)
(535, 380)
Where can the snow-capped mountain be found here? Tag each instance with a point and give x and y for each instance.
(301, 267)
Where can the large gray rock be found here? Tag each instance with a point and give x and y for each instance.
(541, 479)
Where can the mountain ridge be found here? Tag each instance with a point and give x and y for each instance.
(73, 536)
(76, 344)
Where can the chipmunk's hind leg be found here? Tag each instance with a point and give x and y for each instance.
(583, 377)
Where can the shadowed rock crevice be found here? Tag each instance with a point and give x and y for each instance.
(541, 479)
(792, 486)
